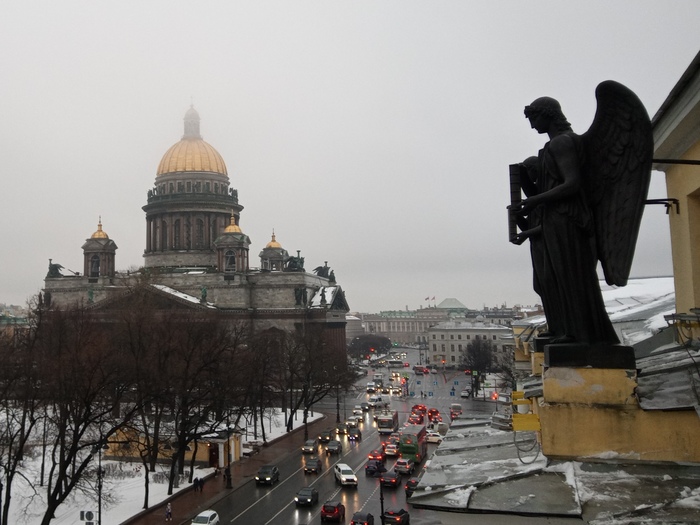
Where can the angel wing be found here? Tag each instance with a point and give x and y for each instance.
(619, 148)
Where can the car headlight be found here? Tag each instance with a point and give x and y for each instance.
(296, 499)
(257, 478)
(267, 478)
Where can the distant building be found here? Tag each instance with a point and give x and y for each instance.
(197, 256)
(411, 326)
(448, 342)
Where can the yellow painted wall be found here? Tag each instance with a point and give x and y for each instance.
(577, 431)
(683, 183)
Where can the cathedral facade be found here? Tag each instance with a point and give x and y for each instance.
(196, 254)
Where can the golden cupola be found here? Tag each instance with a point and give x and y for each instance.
(192, 153)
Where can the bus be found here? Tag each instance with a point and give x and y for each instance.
(413, 443)
(394, 363)
(388, 422)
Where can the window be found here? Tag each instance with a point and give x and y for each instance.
(453, 359)
(459, 336)
(494, 337)
(452, 347)
(442, 336)
(95, 266)
(452, 336)
(229, 261)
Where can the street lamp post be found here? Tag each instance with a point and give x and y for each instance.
(378, 474)
(100, 474)
(228, 462)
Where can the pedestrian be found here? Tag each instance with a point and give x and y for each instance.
(201, 484)
(195, 484)
(168, 512)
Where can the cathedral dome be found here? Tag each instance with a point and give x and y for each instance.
(191, 153)
(273, 243)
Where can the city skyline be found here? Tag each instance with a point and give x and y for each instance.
(374, 136)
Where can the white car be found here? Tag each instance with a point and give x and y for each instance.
(392, 449)
(357, 410)
(352, 422)
(208, 517)
(433, 437)
(345, 475)
(465, 393)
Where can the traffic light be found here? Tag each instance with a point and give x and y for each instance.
(443, 361)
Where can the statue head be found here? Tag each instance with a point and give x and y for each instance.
(546, 110)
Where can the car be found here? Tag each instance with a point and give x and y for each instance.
(406, 364)
(426, 370)
(418, 371)
(433, 437)
(390, 479)
(433, 371)
(377, 454)
(410, 486)
(365, 406)
(373, 466)
(456, 408)
(404, 466)
(306, 496)
(392, 449)
(341, 428)
(419, 408)
(334, 447)
(432, 412)
(358, 411)
(386, 389)
(416, 419)
(397, 516)
(355, 434)
(351, 422)
(344, 475)
(362, 518)
(333, 511)
(310, 446)
(397, 390)
(267, 475)
(207, 517)
(325, 436)
(376, 401)
(465, 393)
(313, 466)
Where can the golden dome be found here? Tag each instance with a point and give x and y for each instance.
(233, 227)
(191, 153)
(273, 243)
(99, 234)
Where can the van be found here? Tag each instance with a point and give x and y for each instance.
(375, 401)
(371, 387)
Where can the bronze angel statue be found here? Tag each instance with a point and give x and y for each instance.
(585, 195)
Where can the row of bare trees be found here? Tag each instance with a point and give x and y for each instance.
(148, 376)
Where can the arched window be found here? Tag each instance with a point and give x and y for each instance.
(163, 235)
(229, 261)
(95, 266)
(177, 242)
(199, 235)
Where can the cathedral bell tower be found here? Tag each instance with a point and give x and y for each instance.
(99, 253)
(232, 250)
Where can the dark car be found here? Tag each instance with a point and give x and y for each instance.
(313, 465)
(415, 419)
(267, 475)
(365, 406)
(334, 447)
(397, 516)
(325, 436)
(362, 518)
(390, 479)
(310, 446)
(354, 434)
(333, 511)
(410, 486)
(378, 454)
(373, 466)
(342, 428)
(306, 496)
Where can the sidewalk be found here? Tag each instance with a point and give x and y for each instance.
(187, 503)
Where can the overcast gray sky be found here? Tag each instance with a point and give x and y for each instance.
(375, 135)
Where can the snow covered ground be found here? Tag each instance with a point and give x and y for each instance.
(122, 490)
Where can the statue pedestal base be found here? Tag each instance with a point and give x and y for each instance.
(579, 355)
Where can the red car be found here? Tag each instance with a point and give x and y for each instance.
(415, 419)
(432, 412)
(419, 408)
(333, 511)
